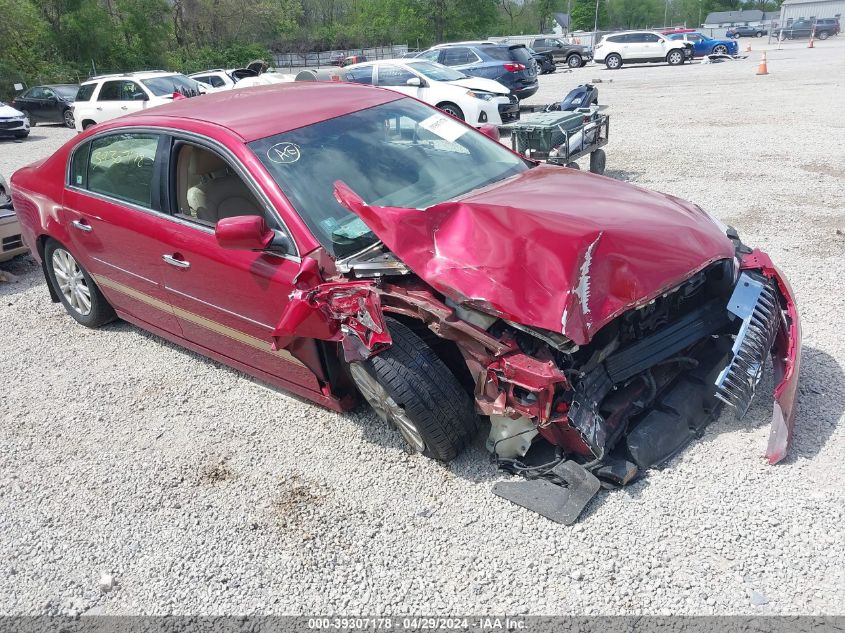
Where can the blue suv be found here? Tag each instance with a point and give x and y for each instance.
(511, 66)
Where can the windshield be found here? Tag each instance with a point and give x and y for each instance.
(163, 86)
(66, 92)
(403, 153)
(437, 72)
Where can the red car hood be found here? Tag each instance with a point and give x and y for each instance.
(552, 248)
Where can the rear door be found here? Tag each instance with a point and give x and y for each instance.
(111, 209)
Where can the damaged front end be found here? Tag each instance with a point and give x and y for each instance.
(643, 358)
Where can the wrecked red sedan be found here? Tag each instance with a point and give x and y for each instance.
(339, 240)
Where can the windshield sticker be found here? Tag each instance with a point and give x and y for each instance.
(284, 153)
(444, 127)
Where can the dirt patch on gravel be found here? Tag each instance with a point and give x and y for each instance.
(836, 171)
(296, 502)
(216, 470)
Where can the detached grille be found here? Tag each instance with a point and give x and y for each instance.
(755, 301)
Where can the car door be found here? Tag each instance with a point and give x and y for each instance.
(118, 97)
(699, 44)
(36, 103)
(653, 46)
(112, 211)
(52, 106)
(227, 301)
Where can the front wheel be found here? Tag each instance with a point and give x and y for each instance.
(75, 288)
(675, 58)
(721, 49)
(408, 386)
(574, 61)
(613, 61)
(452, 109)
(759, 33)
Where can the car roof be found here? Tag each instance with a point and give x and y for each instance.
(143, 74)
(262, 111)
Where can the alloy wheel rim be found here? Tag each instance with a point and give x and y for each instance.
(573, 62)
(71, 281)
(613, 62)
(68, 118)
(386, 407)
(720, 50)
(674, 57)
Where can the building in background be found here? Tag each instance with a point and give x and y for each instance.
(792, 10)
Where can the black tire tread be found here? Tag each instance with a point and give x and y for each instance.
(429, 392)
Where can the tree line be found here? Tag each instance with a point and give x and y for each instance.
(67, 40)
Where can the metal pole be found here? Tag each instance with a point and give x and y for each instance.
(596, 25)
(665, 14)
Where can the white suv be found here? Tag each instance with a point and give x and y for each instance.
(640, 47)
(111, 96)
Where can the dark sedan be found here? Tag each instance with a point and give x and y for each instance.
(48, 104)
(746, 31)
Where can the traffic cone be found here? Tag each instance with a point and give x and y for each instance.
(763, 69)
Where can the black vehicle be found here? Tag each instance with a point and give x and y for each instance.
(545, 62)
(574, 55)
(512, 66)
(746, 31)
(48, 104)
(805, 28)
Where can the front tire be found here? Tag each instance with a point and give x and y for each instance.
(675, 58)
(453, 110)
(613, 61)
(721, 49)
(759, 33)
(409, 386)
(76, 290)
(574, 61)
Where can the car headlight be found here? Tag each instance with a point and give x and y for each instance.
(484, 96)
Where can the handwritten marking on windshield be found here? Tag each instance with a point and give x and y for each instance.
(284, 153)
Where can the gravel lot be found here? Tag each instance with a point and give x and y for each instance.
(202, 491)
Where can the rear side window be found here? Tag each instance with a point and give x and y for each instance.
(85, 92)
(122, 166)
(521, 54)
(121, 90)
(457, 56)
(79, 166)
(360, 75)
(615, 38)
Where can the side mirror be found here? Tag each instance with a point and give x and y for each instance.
(490, 131)
(415, 81)
(243, 233)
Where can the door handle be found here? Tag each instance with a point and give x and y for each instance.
(82, 226)
(99, 108)
(179, 263)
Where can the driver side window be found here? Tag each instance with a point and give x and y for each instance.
(389, 75)
(208, 189)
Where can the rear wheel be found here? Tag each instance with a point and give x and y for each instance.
(408, 386)
(452, 109)
(75, 288)
(823, 35)
(613, 61)
(675, 57)
(598, 161)
(68, 118)
(87, 124)
(759, 33)
(574, 61)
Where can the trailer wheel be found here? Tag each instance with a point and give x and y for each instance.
(408, 386)
(573, 165)
(598, 161)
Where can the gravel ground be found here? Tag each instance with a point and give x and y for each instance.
(202, 491)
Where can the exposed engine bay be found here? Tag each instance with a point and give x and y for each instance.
(572, 417)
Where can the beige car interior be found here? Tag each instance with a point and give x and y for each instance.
(208, 189)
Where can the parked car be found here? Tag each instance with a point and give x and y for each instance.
(703, 45)
(345, 242)
(48, 104)
(110, 96)
(573, 55)
(512, 66)
(805, 28)
(11, 243)
(13, 123)
(472, 99)
(218, 79)
(353, 59)
(545, 62)
(736, 32)
(637, 47)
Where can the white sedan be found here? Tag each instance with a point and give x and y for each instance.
(475, 100)
(219, 79)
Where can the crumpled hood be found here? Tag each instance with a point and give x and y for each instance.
(552, 248)
(479, 83)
